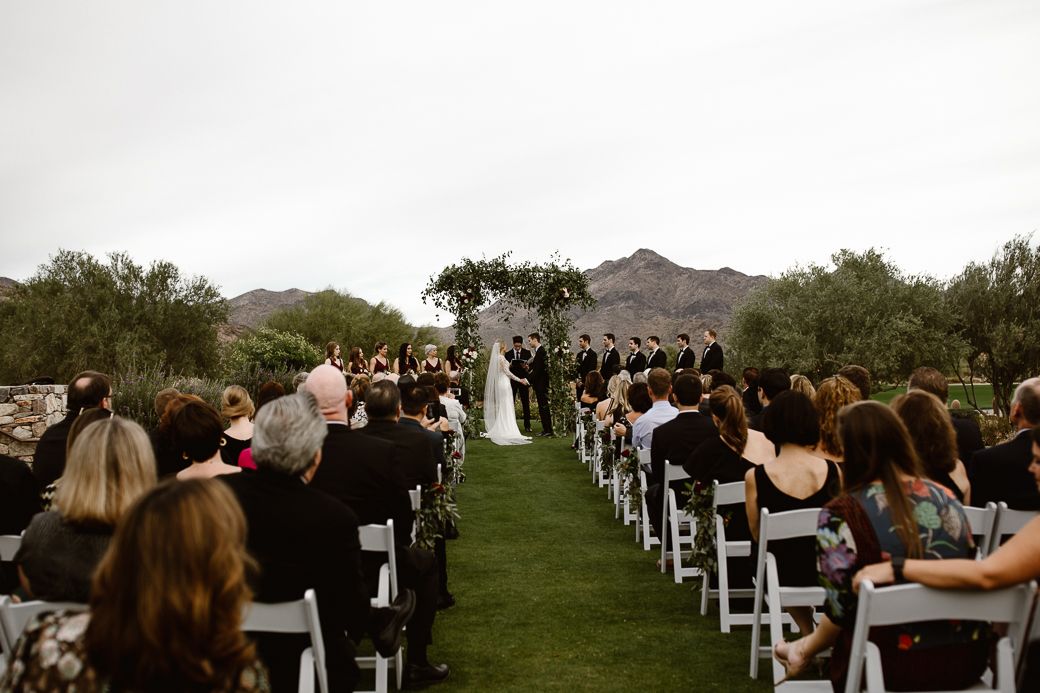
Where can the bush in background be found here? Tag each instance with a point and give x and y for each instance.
(276, 350)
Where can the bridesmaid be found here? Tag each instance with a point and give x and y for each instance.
(379, 363)
(356, 362)
(435, 365)
(405, 361)
(332, 356)
(453, 364)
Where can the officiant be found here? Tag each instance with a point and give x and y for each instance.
(518, 358)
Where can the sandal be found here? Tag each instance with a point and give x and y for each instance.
(794, 671)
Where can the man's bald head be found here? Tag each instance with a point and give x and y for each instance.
(329, 388)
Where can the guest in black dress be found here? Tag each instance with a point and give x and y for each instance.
(796, 479)
(237, 408)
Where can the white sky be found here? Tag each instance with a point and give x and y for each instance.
(368, 145)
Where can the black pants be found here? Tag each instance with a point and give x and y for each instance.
(416, 570)
(542, 395)
(525, 400)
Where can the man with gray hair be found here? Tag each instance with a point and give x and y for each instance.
(299, 381)
(304, 539)
(1001, 473)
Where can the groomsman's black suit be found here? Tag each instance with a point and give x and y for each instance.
(611, 358)
(1001, 473)
(586, 364)
(538, 376)
(519, 371)
(635, 363)
(712, 358)
(657, 359)
(686, 359)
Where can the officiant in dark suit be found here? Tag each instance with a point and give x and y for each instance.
(712, 358)
(538, 376)
(518, 358)
(587, 360)
(636, 360)
(611, 358)
(655, 358)
(686, 358)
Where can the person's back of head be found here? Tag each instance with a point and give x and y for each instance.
(288, 432)
(639, 398)
(791, 418)
(414, 397)
(720, 378)
(929, 380)
(593, 383)
(169, 594)
(687, 391)
(270, 392)
(860, 377)
(803, 385)
(197, 431)
(660, 382)
(163, 397)
(299, 380)
(1027, 398)
(426, 379)
(750, 377)
(88, 389)
(931, 430)
(235, 403)
(705, 384)
(442, 382)
(383, 401)
(773, 381)
(834, 393)
(640, 378)
(329, 389)
(360, 386)
(88, 417)
(728, 408)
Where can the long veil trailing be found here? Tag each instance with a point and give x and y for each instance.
(491, 403)
(499, 414)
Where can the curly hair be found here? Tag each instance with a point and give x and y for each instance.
(833, 394)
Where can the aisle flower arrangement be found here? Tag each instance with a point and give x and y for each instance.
(435, 512)
(701, 506)
(627, 467)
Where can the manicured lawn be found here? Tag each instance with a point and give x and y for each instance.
(984, 393)
(555, 594)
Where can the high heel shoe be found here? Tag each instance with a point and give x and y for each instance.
(793, 671)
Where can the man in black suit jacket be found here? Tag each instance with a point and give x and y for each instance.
(635, 362)
(538, 376)
(674, 441)
(358, 471)
(686, 358)
(86, 390)
(655, 358)
(712, 357)
(518, 358)
(1001, 473)
(413, 453)
(586, 362)
(611, 358)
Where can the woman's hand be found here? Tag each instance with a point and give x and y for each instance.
(878, 573)
(619, 430)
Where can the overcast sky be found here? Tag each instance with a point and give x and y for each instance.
(368, 145)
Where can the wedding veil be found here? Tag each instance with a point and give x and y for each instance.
(491, 403)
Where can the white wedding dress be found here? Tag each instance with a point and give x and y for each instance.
(499, 412)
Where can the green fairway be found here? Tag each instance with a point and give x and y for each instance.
(555, 594)
(984, 393)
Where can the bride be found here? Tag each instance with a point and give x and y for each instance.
(499, 414)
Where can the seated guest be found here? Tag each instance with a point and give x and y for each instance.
(109, 466)
(931, 431)
(607, 404)
(167, 459)
(803, 385)
(19, 501)
(359, 414)
(237, 407)
(860, 377)
(88, 417)
(590, 393)
(1001, 473)
(796, 479)
(639, 378)
(969, 437)
(886, 510)
(88, 389)
(437, 414)
(455, 411)
(299, 381)
(198, 432)
(268, 393)
(660, 383)
(165, 610)
(414, 409)
(834, 393)
(749, 380)
(770, 382)
(639, 403)
(704, 407)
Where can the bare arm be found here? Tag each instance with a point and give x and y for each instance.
(751, 502)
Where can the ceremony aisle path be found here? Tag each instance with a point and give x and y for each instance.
(554, 593)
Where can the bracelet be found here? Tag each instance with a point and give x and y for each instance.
(897, 567)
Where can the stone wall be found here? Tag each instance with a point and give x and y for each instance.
(25, 413)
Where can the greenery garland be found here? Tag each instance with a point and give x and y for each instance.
(627, 467)
(701, 507)
(590, 431)
(606, 457)
(435, 511)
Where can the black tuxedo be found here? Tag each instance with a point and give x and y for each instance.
(412, 454)
(49, 460)
(1001, 473)
(304, 539)
(610, 359)
(635, 363)
(712, 358)
(538, 376)
(686, 359)
(586, 364)
(657, 359)
(520, 371)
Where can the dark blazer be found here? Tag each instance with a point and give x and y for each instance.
(1001, 473)
(686, 359)
(634, 363)
(515, 368)
(610, 359)
(19, 495)
(586, 363)
(712, 358)
(675, 440)
(659, 359)
(755, 422)
(969, 439)
(304, 539)
(751, 404)
(49, 460)
(704, 408)
(434, 438)
(538, 376)
(412, 453)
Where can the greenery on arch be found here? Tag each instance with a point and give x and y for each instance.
(551, 290)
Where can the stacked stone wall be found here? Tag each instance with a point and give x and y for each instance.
(26, 411)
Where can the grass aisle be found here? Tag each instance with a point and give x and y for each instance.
(555, 594)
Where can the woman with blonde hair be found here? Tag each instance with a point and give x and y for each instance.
(198, 434)
(833, 394)
(604, 407)
(166, 607)
(803, 385)
(236, 407)
(109, 466)
(935, 440)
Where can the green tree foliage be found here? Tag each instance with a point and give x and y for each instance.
(997, 310)
(77, 313)
(864, 311)
(336, 316)
(275, 349)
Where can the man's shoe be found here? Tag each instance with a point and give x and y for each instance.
(416, 677)
(386, 623)
(528, 429)
(445, 601)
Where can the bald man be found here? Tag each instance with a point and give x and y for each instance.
(1001, 473)
(88, 389)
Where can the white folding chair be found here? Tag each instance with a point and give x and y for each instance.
(300, 616)
(672, 472)
(886, 606)
(678, 519)
(727, 494)
(380, 539)
(785, 525)
(602, 474)
(982, 521)
(643, 522)
(458, 442)
(1008, 522)
(9, 544)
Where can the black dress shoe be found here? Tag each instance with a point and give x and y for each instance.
(416, 677)
(445, 601)
(386, 623)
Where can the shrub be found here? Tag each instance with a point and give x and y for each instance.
(275, 350)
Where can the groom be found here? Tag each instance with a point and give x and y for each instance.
(538, 376)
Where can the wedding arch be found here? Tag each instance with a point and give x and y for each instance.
(550, 290)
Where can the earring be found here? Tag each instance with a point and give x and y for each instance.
(223, 441)
(184, 455)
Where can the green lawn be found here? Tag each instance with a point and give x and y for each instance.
(555, 594)
(984, 393)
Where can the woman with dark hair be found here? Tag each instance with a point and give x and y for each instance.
(888, 510)
(639, 403)
(332, 357)
(935, 440)
(593, 387)
(796, 479)
(356, 362)
(452, 363)
(405, 362)
(358, 417)
(269, 392)
(198, 432)
(165, 610)
(379, 363)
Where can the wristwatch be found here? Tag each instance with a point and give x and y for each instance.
(897, 567)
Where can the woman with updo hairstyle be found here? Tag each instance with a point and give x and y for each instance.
(379, 363)
(802, 384)
(935, 440)
(198, 432)
(358, 417)
(236, 407)
(833, 394)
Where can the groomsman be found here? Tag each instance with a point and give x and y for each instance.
(518, 359)
(636, 361)
(686, 358)
(712, 358)
(656, 358)
(611, 358)
(586, 362)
